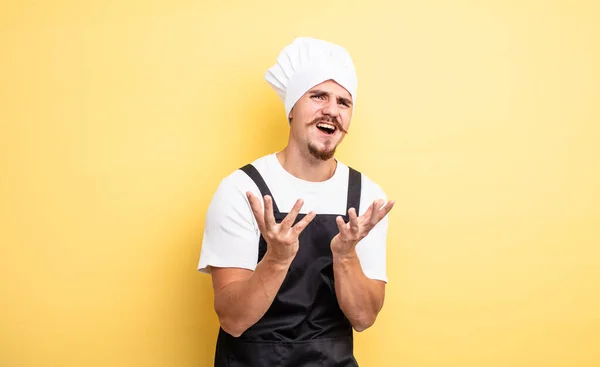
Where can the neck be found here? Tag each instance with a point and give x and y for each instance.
(305, 166)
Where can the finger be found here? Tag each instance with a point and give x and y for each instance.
(353, 221)
(289, 219)
(257, 211)
(381, 213)
(375, 215)
(269, 218)
(369, 211)
(341, 224)
(388, 207)
(301, 225)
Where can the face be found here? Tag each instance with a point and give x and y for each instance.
(321, 118)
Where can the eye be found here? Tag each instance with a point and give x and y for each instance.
(319, 96)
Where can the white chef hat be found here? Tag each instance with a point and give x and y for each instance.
(307, 62)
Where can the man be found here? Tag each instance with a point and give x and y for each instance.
(296, 240)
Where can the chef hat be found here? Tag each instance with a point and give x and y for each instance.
(307, 62)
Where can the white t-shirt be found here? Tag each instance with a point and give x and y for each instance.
(231, 234)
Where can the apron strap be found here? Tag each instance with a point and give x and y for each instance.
(354, 189)
(260, 182)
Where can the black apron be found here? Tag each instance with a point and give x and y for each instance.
(304, 325)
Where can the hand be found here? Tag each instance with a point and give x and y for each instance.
(282, 239)
(358, 228)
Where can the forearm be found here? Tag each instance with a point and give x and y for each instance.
(359, 297)
(240, 304)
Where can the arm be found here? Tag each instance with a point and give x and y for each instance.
(243, 296)
(360, 297)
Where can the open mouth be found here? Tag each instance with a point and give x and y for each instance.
(327, 128)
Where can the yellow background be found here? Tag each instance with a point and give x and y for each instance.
(119, 118)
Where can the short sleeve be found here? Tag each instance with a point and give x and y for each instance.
(371, 250)
(230, 236)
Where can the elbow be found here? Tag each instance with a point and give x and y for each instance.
(363, 323)
(235, 332)
(230, 325)
(232, 328)
(367, 318)
(360, 327)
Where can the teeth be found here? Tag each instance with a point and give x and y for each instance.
(326, 126)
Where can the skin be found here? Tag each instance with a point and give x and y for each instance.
(242, 296)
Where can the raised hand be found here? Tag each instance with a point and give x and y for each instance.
(358, 227)
(282, 238)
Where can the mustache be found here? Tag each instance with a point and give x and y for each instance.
(332, 120)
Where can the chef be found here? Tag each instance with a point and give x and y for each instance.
(295, 241)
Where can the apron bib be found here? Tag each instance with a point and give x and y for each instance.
(304, 325)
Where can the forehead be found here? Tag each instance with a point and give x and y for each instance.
(332, 87)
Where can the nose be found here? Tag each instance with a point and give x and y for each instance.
(331, 108)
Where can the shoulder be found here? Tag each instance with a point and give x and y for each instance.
(372, 188)
(370, 192)
(229, 204)
(230, 194)
(369, 188)
(239, 181)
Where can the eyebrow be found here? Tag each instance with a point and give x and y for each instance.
(318, 92)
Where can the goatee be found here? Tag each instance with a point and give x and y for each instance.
(321, 154)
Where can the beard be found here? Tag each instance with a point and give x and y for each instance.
(323, 155)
